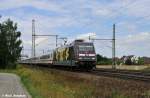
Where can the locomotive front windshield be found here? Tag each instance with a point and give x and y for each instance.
(86, 48)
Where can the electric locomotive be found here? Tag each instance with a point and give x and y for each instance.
(78, 54)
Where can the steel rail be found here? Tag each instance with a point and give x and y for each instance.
(122, 74)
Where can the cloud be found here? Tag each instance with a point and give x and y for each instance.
(27, 42)
(62, 17)
(137, 44)
(103, 12)
(84, 7)
(132, 44)
(86, 36)
(138, 9)
(40, 40)
(45, 5)
(126, 27)
(137, 38)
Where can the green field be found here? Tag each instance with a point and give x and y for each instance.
(53, 84)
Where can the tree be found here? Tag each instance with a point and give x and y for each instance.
(10, 48)
(141, 61)
(102, 60)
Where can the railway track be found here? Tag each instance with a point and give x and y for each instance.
(122, 74)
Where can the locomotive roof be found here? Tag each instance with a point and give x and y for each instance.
(73, 43)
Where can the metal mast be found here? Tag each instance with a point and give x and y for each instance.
(113, 49)
(33, 38)
(56, 40)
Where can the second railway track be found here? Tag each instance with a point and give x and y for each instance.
(122, 74)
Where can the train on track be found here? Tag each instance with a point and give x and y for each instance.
(78, 54)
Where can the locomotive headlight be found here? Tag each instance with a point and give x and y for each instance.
(80, 57)
(93, 58)
(76, 61)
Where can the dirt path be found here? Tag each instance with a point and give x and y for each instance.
(11, 87)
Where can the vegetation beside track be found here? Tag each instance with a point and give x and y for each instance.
(41, 84)
(147, 69)
(53, 84)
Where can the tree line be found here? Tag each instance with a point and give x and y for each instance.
(125, 60)
(10, 44)
(102, 60)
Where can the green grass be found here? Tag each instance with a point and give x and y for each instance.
(147, 94)
(41, 84)
(116, 94)
(54, 84)
(146, 69)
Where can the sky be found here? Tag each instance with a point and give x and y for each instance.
(82, 18)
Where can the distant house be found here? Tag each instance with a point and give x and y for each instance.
(131, 59)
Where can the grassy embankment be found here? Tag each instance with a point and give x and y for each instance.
(51, 84)
(41, 84)
(147, 69)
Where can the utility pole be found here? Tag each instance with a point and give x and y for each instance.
(113, 49)
(113, 46)
(56, 40)
(33, 52)
(33, 38)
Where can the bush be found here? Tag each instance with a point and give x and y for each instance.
(101, 60)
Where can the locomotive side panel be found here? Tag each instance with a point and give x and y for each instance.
(63, 56)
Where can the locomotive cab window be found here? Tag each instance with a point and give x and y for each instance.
(86, 48)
